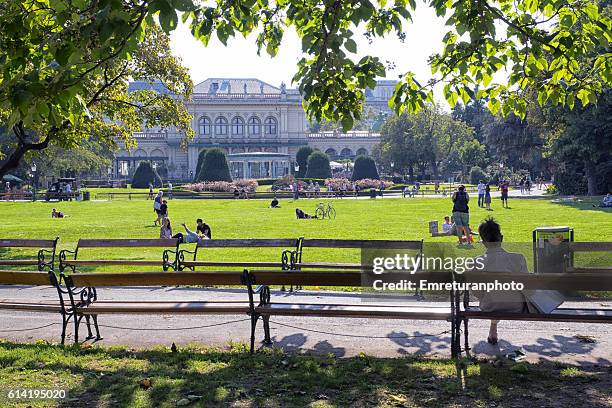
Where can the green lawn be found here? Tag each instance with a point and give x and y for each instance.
(360, 219)
(205, 377)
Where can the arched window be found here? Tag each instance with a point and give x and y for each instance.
(346, 153)
(254, 125)
(204, 126)
(331, 153)
(237, 126)
(221, 126)
(270, 126)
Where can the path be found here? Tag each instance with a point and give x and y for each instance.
(541, 341)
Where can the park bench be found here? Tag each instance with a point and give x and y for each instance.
(79, 298)
(597, 280)
(285, 256)
(297, 262)
(30, 279)
(168, 259)
(258, 283)
(45, 247)
(583, 247)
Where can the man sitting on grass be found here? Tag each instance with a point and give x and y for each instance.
(301, 215)
(56, 214)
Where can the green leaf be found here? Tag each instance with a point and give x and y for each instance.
(350, 45)
(347, 123)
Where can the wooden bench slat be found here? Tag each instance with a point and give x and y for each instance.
(228, 263)
(93, 262)
(590, 246)
(127, 243)
(597, 279)
(558, 315)
(157, 278)
(356, 311)
(33, 307)
(24, 278)
(358, 243)
(167, 307)
(27, 243)
(316, 265)
(246, 243)
(18, 262)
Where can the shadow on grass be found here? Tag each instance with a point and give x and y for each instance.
(213, 377)
(585, 204)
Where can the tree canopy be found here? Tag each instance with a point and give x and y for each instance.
(318, 165)
(214, 166)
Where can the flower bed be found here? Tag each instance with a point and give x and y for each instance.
(223, 186)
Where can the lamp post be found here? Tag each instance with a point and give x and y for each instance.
(34, 181)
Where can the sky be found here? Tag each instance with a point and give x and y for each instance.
(240, 60)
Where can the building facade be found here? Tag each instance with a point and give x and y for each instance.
(259, 126)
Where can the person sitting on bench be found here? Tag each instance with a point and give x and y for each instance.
(496, 259)
(274, 203)
(302, 215)
(56, 214)
(606, 202)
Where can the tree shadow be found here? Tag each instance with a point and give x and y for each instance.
(584, 204)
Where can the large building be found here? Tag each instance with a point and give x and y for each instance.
(259, 126)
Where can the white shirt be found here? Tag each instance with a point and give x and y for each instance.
(481, 188)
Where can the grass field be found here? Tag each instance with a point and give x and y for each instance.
(385, 218)
(206, 377)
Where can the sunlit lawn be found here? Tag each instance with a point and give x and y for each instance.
(387, 218)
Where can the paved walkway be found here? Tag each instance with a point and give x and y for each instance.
(384, 338)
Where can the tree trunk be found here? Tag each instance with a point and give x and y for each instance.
(12, 162)
(589, 170)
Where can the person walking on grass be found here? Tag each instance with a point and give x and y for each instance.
(461, 214)
(487, 197)
(504, 193)
(481, 193)
(157, 203)
(150, 197)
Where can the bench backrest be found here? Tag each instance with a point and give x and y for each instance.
(246, 243)
(590, 246)
(338, 278)
(154, 279)
(362, 243)
(595, 280)
(127, 243)
(23, 278)
(28, 243)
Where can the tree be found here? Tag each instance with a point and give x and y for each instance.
(477, 174)
(364, 168)
(66, 66)
(214, 166)
(145, 174)
(318, 166)
(581, 148)
(301, 157)
(199, 165)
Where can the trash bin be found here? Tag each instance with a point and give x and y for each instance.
(86, 195)
(551, 252)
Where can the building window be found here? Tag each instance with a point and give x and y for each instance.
(204, 126)
(254, 125)
(270, 127)
(237, 126)
(221, 126)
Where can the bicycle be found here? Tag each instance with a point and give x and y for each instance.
(323, 211)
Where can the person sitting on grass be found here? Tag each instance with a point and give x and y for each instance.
(56, 214)
(274, 203)
(606, 202)
(165, 232)
(189, 237)
(203, 228)
(496, 259)
(301, 215)
(447, 226)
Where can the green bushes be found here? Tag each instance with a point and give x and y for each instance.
(364, 168)
(477, 174)
(145, 174)
(301, 158)
(214, 167)
(199, 165)
(318, 165)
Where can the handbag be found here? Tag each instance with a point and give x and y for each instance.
(543, 301)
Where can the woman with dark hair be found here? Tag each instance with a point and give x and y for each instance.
(300, 215)
(461, 214)
(165, 232)
(487, 197)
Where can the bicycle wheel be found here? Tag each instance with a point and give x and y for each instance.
(331, 213)
(320, 213)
